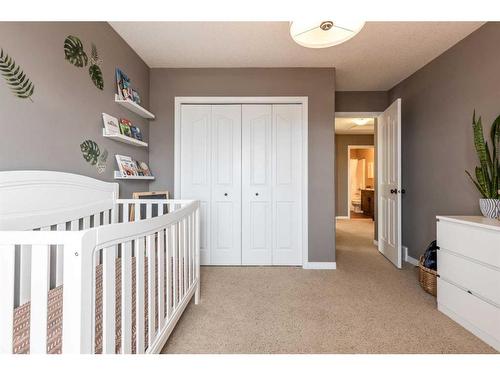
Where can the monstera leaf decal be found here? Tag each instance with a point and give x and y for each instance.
(16, 79)
(94, 69)
(96, 76)
(73, 50)
(90, 151)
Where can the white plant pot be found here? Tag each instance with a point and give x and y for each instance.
(490, 207)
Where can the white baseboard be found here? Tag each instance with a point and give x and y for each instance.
(320, 266)
(375, 242)
(342, 217)
(408, 258)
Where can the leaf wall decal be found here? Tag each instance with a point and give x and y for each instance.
(16, 79)
(96, 76)
(73, 50)
(90, 151)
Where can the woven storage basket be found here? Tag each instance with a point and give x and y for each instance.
(427, 278)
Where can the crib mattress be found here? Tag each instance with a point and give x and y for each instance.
(21, 343)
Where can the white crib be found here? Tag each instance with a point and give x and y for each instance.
(77, 265)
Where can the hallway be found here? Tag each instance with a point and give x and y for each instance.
(365, 306)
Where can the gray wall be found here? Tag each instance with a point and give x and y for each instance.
(67, 107)
(342, 141)
(316, 83)
(437, 105)
(361, 101)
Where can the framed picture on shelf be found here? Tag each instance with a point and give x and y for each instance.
(148, 195)
(110, 124)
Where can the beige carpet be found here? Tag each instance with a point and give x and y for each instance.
(365, 306)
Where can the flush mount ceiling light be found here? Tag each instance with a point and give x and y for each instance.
(323, 34)
(361, 121)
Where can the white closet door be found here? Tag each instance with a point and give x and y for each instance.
(287, 184)
(196, 167)
(226, 184)
(256, 184)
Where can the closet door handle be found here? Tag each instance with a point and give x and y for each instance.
(256, 194)
(225, 194)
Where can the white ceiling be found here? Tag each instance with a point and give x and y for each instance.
(344, 125)
(380, 56)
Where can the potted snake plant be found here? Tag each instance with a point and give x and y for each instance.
(487, 174)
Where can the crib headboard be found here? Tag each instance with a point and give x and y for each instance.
(34, 199)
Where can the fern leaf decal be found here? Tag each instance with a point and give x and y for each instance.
(16, 79)
(73, 50)
(96, 76)
(101, 162)
(90, 151)
(94, 57)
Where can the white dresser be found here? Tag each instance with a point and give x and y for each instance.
(468, 288)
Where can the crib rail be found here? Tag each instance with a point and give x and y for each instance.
(153, 246)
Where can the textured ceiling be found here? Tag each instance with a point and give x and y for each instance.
(380, 56)
(344, 125)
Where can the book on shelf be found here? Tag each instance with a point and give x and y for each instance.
(122, 85)
(125, 127)
(124, 89)
(127, 166)
(110, 124)
(143, 168)
(136, 132)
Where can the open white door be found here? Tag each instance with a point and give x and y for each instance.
(389, 183)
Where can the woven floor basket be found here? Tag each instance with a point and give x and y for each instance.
(427, 278)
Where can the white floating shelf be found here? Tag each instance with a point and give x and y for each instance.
(118, 176)
(134, 107)
(124, 139)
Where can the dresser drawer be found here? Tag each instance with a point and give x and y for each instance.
(479, 317)
(482, 281)
(474, 242)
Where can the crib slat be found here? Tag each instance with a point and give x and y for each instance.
(126, 297)
(197, 254)
(137, 211)
(161, 278)
(190, 250)
(139, 290)
(168, 271)
(86, 222)
(125, 213)
(7, 269)
(108, 300)
(184, 255)
(39, 289)
(25, 274)
(150, 249)
(175, 271)
(59, 257)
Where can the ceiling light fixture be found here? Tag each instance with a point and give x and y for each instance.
(323, 34)
(361, 121)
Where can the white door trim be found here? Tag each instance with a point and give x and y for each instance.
(349, 148)
(302, 100)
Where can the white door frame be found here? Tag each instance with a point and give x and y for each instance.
(302, 100)
(349, 148)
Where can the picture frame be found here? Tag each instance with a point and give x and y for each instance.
(147, 195)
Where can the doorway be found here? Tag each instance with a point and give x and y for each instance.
(356, 173)
(361, 181)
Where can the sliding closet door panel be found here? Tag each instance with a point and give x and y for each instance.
(256, 184)
(226, 184)
(287, 184)
(196, 165)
